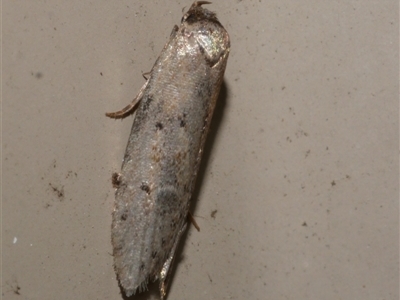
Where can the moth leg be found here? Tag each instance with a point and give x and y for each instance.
(193, 221)
(166, 269)
(146, 74)
(126, 111)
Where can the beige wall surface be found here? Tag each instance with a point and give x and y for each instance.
(298, 192)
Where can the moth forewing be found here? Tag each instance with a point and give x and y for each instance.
(157, 178)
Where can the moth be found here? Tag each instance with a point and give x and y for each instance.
(173, 113)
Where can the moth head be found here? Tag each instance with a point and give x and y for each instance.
(210, 36)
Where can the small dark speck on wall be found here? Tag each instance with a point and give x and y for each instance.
(38, 75)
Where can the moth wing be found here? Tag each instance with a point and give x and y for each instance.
(145, 240)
